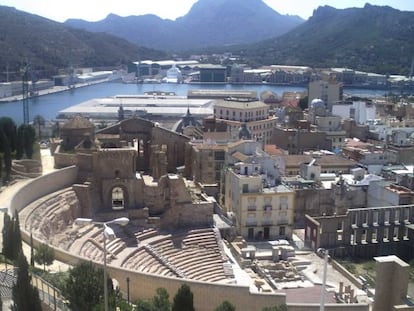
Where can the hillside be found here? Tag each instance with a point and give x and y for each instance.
(374, 39)
(208, 23)
(48, 46)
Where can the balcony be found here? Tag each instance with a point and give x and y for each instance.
(267, 222)
(251, 208)
(282, 221)
(251, 222)
(267, 208)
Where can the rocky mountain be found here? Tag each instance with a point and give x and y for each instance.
(374, 38)
(47, 45)
(208, 23)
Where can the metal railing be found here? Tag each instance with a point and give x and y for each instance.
(50, 295)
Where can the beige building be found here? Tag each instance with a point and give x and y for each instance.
(204, 161)
(329, 163)
(254, 114)
(329, 91)
(261, 208)
(296, 141)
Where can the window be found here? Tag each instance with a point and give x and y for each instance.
(375, 218)
(284, 203)
(364, 236)
(353, 237)
(405, 235)
(396, 215)
(385, 238)
(354, 219)
(250, 233)
(251, 200)
(374, 235)
(251, 206)
(117, 198)
(245, 188)
(282, 230)
(407, 214)
(386, 217)
(395, 235)
(366, 214)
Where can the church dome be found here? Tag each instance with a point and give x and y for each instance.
(244, 132)
(317, 102)
(186, 121)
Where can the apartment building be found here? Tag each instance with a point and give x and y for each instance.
(261, 207)
(329, 91)
(254, 114)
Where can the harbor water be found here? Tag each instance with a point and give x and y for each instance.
(49, 105)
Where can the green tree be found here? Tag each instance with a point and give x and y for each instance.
(83, 287)
(26, 137)
(161, 300)
(31, 250)
(7, 157)
(5, 235)
(144, 305)
(225, 306)
(183, 300)
(44, 255)
(29, 138)
(20, 143)
(17, 239)
(25, 296)
(12, 242)
(8, 127)
(38, 122)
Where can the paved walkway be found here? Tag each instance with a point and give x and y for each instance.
(7, 193)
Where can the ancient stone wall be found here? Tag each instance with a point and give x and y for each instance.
(175, 146)
(65, 159)
(114, 163)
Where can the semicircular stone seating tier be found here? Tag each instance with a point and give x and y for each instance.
(195, 254)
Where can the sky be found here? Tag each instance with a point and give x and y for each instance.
(94, 10)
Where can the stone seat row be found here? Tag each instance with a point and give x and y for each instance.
(143, 260)
(193, 264)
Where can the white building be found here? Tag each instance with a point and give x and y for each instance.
(359, 111)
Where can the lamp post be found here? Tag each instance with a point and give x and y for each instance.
(109, 234)
(127, 280)
(325, 268)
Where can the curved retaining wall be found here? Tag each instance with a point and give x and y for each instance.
(207, 296)
(42, 186)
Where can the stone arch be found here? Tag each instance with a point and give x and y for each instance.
(118, 197)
